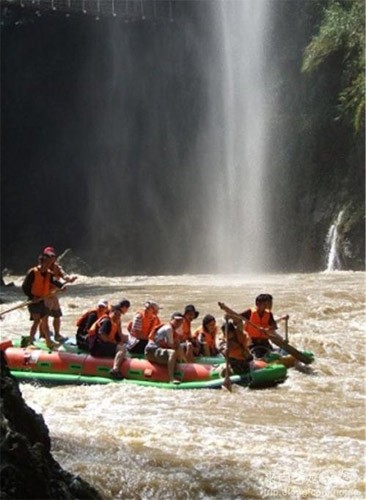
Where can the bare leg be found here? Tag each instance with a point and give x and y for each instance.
(43, 327)
(119, 357)
(189, 352)
(34, 327)
(56, 327)
(172, 360)
(46, 333)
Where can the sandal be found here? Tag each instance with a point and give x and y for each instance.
(53, 345)
(115, 375)
(61, 339)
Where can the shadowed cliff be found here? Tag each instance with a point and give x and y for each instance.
(28, 469)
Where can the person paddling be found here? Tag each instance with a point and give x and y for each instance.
(37, 286)
(260, 324)
(234, 344)
(52, 302)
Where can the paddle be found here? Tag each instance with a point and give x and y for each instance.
(284, 344)
(227, 382)
(286, 328)
(19, 306)
(29, 302)
(274, 337)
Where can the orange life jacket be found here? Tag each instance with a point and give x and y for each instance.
(112, 334)
(208, 338)
(95, 326)
(238, 346)
(41, 283)
(185, 333)
(261, 321)
(147, 324)
(84, 317)
(115, 327)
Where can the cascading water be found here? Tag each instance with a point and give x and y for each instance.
(239, 125)
(334, 262)
(187, 178)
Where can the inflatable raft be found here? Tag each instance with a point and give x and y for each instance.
(69, 365)
(273, 357)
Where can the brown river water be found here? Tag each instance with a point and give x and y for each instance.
(302, 439)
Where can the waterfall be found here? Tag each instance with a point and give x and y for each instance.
(334, 262)
(240, 112)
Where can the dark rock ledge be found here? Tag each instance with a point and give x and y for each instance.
(28, 470)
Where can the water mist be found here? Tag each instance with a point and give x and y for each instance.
(238, 134)
(179, 140)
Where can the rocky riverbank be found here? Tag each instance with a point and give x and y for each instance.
(28, 469)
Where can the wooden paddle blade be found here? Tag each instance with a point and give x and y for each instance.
(227, 384)
(280, 342)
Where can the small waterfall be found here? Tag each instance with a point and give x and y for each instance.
(334, 262)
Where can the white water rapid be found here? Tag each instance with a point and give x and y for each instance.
(302, 439)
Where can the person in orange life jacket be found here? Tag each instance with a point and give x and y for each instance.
(53, 303)
(236, 346)
(163, 345)
(142, 325)
(265, 324)
(123, 305)
(107, 341)
(85, 322)
(206, 336)
(189, 345)
(269, 305)
(37, 285)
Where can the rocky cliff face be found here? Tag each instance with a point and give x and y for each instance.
(28, 469)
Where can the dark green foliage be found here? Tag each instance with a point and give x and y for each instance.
(342, 32)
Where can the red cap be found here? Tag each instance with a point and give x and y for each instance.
(49, 251)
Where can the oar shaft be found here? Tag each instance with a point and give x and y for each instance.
(19, 306)
(227, 381)
(29, 302)
(273, 336)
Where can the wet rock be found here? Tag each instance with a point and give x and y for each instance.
(28, 469)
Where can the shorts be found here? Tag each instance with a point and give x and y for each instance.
(38, 308)
(159, 354)
(103, 349)
(53, 305)
(138, 348)
(194, 344)
(239, 366)
(260, 347)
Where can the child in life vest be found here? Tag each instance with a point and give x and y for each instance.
(234, 345)
(206, 336)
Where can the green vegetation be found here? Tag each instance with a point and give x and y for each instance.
(342, 31)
